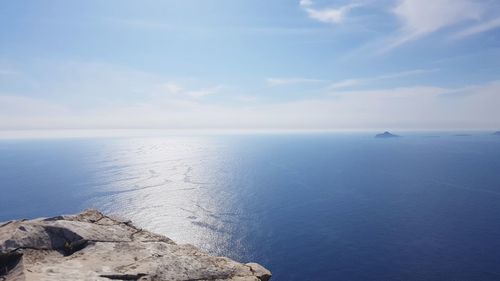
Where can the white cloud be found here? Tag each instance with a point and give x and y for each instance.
(359, 81)
(416, 18)
(346, 83)
(327, 15)
(200, 93)
(290, 81)
(478, 28)
(171, 88)
(423, 17)
(305, 3)
(176, 89)
(394, 93)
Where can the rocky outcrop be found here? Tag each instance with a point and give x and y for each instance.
(92, 246)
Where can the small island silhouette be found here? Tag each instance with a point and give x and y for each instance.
(497, 133)
(386, 135)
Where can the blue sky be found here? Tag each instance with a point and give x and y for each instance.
(226, 64)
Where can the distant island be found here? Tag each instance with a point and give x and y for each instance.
(497, 133)
(386, 135)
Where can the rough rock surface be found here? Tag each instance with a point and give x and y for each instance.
(92, 246)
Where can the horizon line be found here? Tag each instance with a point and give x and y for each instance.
(143, 132)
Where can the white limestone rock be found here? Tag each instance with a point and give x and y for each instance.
(92, 246)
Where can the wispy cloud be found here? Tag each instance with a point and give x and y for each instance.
(417, 19)
(478, 28)
(360, 81)
(347, 83)
(305, 3)
(290, 81)
(172, 88)
(327, 15)
(421, 18)
(200, 93)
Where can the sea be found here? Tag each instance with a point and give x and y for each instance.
(308, 206)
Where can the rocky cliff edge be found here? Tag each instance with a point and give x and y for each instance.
(92, 246)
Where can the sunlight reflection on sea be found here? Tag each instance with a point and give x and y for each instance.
(173, 186)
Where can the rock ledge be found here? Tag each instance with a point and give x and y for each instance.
(92, 246)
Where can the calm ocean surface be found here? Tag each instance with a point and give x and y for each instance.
(308, 207)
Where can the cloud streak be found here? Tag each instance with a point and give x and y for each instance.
(291, 81)
(327, 15)
(421, 18)
(418, 19)
(347, 83)
(360, 81)
(176, 89)
(305, 3)
(477, 29)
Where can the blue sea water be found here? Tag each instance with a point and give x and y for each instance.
(308, 207)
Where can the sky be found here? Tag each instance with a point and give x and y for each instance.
(250, 64)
